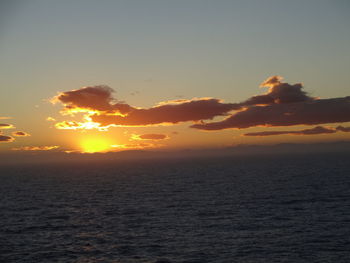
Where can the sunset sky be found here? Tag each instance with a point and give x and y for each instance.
(92, 76)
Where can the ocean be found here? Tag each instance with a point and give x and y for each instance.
(286, 208)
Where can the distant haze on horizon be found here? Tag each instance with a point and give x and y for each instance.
(100, 76)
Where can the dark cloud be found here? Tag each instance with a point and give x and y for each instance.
(310, 112)
(279, 93)
(97, 98)
(192, 110)
(282, 105)
(152, 136)
(102, 108)
(4, 138)
(20, 134)
(343, 129)
(312, 131)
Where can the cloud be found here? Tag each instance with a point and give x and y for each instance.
(102, 108)
(35, 148)
(74, 125)
(283, 104)
(50, 119)
(91, 99)
(172, 113)
(312, 131)
(343, 129)
(6, 126)
(20, 134)
(279, 93)
(4, 138)
(312, 112)
(137, 146)
(150, 136)
(5, 118)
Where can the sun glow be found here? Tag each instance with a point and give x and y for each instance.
(95, 145)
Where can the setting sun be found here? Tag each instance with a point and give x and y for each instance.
(95, 145)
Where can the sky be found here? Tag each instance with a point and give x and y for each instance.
(92, 76)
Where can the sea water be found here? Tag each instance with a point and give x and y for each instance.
(290, 208)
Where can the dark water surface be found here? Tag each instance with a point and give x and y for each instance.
(247, 209)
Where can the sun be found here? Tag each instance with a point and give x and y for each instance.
(95, 145)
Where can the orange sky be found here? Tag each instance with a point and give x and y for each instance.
(91, 119)
(126, 75)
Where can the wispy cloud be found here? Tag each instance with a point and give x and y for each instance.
(133, 146)
(76, 125)
(20, 134)
(35, 148)
(312, 131)
(6, 126)
(149, 136)
(343, 129)
(50, 119)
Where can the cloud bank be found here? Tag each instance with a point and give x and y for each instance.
(283, 104)
(149, 136)
(35, 148)
(313, 112)
(312, 131)
(103, 109)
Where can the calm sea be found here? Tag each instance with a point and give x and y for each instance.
(238, 209)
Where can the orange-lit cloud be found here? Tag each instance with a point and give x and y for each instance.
(282, 105)
(20, 134)
(136, 146)
(6, 126)
(100, 107)
(343, 129)
(50, 119)
(312, 131)
(74, 125)
(4, 138)
(91, 99)
(35, 148)
(191, 110)
(149, 136)
(313, 112)
(5, 118)
(278, 93)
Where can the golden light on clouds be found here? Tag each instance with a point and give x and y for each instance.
(75, 125)
(35, 148)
